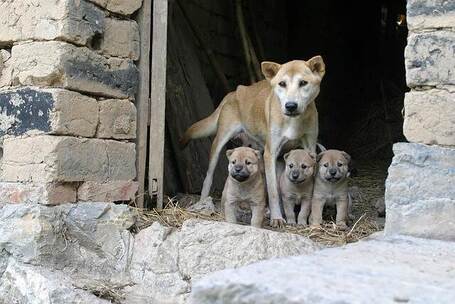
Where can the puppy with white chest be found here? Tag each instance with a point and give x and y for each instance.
(331, 186)
(296, 185)
(245, 183)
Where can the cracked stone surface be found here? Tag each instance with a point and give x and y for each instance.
(383, 270)
(430, 14)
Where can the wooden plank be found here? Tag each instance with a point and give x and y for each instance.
(144, 20)
(158, 100)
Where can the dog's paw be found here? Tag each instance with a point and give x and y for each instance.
(277, 223)
(315, 226)
(342, 226)
(302, 224)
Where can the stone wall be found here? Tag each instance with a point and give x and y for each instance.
(68, 80)
(420, 195)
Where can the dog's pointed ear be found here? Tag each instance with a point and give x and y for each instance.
(229, 152)
(258, 153)
(318, 158)
(285, 156)
(269, 69)
(317, 65)
(346, 156)
(313, 155)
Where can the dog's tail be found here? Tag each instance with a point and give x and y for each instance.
(202, 128)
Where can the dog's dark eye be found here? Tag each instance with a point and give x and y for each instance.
(339, 164)
(304, 167)
(302, 83)
(233, 162)
(326, 165)
(291, 166)
(282, 84)
(247, 162)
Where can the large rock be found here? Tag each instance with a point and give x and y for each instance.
(430, 59)
(165, 261)
(420, 192)
(71, 67)
(401, 269)
(430, 117)
(52, 111)
(85, 240)
(24, 284)
(125, 7)
(77, 21)
(46, 158)
(430, 14)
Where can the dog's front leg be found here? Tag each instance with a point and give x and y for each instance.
(288, 206)
(229, 211)
(342, 213)
(317, 206)
(270, 155)
(257, 214)
(309, 142)
(305, 207)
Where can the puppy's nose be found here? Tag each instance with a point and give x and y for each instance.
(291, 106)
(332, 171)
(238, 168)
(295, 175)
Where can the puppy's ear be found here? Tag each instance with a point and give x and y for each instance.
(318, 158)
(351, 170)
(229, 153)
(258, 153)
(313, 155)
(317, 65)
(285, 156)
(346, 156)
(269, 69)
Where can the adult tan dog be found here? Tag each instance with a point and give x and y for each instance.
(276, 112)
(296, 184)
(245, 183)
(331, 186)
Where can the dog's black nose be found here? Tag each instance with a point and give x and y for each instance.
(295, 175)
(333, 171)
(238, 168)
(291, 106)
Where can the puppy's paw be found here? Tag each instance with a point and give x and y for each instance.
(302, 224)
(277, 223)
(315, 226)
(342, 226)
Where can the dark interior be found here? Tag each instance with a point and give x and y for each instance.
(362, 43)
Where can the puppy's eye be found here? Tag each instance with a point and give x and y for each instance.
(247, 162)
(339, 164)
(326, 165)
(302, 83)
(291, 166)
(304, 167)
(282, 84)
(233, 162)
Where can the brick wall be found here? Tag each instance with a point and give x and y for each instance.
(67, 86)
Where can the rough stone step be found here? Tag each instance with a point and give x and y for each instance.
(383, 270)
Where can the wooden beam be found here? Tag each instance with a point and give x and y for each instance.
(158, 100)
(144, 20)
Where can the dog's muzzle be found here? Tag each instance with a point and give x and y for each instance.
(333, 179)
(240, 176)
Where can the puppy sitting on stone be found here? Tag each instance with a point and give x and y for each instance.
(331, 186)
(296, 185)
(245, 183)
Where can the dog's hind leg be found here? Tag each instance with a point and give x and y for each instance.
(224, 134)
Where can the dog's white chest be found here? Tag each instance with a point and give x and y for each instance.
(293, 129)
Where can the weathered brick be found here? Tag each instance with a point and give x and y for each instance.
(121, 39)
(45, 194)
(117, 119)
(420, 192)
(76, 68)
(425, 14)
(47, 158)
(107, 192)
(5, 69)
(77, 21)
(430, 117)
(52, 111)
(430, 59)
(125, 7)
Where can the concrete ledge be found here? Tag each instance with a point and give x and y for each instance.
(420, 192)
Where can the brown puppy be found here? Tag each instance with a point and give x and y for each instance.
(331, 186)
(279, 113)
(296, 184)
(245, 183)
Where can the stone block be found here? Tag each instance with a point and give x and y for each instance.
(107, 192)
(77, 21)
(124, 7)
(391, 270)
(51, 111)
(5, 69)
(48, 158)
(120, 39)
(420, 192)
(430, 59)
(117, 119)
(46, 194)
(430, 117)
(71, 67)
(430, 14)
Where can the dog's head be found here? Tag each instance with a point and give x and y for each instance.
(334, 165)
(300, 165)
(296, 83)
(243, 163)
